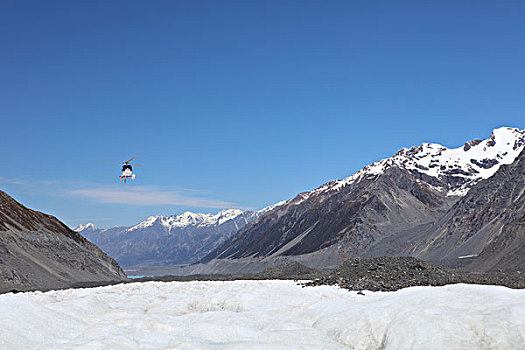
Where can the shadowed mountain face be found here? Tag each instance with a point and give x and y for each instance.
(391, 206)
(37, 251)
(357, 215)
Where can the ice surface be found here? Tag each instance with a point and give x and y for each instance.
(263, 315)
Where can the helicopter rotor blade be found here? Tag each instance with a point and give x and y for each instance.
(108, 163)
(136, 164)
(130, 159)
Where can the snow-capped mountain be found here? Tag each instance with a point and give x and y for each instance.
(169, 240)
(348, 217)
(87, 227)
(451, 170)
(190, 219)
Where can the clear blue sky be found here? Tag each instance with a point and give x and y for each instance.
(239, 103)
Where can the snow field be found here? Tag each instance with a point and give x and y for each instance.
(263, 315)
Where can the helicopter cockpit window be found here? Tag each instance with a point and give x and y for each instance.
(124, 167)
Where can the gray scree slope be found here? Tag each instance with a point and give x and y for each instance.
(38, 252)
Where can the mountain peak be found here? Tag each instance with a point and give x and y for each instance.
(469, 164)
(87, 227)
(189, 218)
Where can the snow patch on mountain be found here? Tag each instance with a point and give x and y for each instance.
(476, 160)
(87, 227)
(198, 219)
(189, 219)
(271, 207)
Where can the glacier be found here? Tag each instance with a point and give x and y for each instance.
(263, 315)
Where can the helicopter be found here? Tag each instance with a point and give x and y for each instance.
(127, 169)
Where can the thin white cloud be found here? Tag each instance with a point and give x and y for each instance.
(4, 180)
(24, 182)
(88, 219)
(148, 196)
(131, 195)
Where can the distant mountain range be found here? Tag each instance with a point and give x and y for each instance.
(37, 251)
(169, 240)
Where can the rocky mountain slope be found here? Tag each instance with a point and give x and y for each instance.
(37, 251)
(169, 240)
(486, 227)
(483, 230)
(405, 194)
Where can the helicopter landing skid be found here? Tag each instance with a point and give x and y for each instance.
(125, 177)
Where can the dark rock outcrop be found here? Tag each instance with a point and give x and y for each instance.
(377, 274)
(394, 273)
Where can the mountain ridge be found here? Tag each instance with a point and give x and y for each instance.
(39, 252)
(451, 161)
(170, 239)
